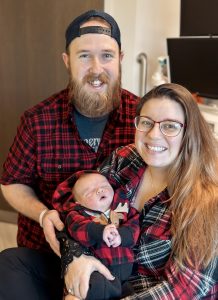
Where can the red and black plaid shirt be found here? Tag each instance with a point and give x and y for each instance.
(47, 149)
(157, 274)
(87, 232)
(84, 225)
(85, 229)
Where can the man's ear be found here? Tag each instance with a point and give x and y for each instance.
(66, 59)
(121, 55)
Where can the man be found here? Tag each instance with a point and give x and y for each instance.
(73, 130)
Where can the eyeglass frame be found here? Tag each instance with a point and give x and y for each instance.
(159, 122)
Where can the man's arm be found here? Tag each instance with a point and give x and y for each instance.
(23, 199)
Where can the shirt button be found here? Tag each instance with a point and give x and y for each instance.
(59, 167)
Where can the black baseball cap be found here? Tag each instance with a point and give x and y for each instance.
(74, 29)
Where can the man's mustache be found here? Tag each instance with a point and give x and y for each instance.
(103, 77)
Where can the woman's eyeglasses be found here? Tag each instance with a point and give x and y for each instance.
(167, 127)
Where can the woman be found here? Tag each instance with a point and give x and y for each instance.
(170, 175)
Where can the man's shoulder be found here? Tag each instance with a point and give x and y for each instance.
(54, 103)
(129, 96)
(128, 105)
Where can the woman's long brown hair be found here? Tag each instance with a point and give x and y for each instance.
(192, 183)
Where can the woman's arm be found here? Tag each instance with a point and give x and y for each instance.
(73, 261)
(83, 267)
(183, 283)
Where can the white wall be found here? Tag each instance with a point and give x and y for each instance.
(144, 25)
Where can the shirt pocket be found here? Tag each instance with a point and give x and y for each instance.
(57, 168)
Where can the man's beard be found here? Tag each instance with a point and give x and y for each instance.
(95, 104)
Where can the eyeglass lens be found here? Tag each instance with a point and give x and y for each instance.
(167, 127)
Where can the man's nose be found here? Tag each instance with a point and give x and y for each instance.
(96, 67)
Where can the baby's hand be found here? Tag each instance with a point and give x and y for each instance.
(111, 236)
(116, 241)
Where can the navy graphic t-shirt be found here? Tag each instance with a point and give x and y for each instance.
(90, 129)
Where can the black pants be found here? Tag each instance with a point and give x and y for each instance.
(102, 289)
(29, 275)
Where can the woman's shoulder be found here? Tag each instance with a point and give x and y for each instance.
(127, 157)
(124, 162)
(127, 151)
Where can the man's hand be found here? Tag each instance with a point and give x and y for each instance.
(50, 221)
(79, 272)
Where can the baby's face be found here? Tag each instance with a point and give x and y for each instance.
(94, 192)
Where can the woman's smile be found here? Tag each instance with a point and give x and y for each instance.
(154, 148)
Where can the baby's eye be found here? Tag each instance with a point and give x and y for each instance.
(105, 187)
(88, 193)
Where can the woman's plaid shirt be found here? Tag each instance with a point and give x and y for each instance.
(156, 276)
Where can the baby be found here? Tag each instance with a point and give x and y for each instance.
(94, 192)
(106, 225)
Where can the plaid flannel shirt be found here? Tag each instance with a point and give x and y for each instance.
(155, 274)
(85, 229)
(47, 149)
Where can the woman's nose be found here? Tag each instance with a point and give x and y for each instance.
(155, 131)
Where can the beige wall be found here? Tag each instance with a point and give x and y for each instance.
(144, 25)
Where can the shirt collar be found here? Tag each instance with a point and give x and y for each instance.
(68, 108)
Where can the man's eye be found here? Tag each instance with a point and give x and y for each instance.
(83, 55)
(108, 55)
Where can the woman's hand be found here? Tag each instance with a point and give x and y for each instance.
(79, 272)
(50, 221)
(70, 297)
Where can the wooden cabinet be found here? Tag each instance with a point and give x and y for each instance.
(31, 66)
